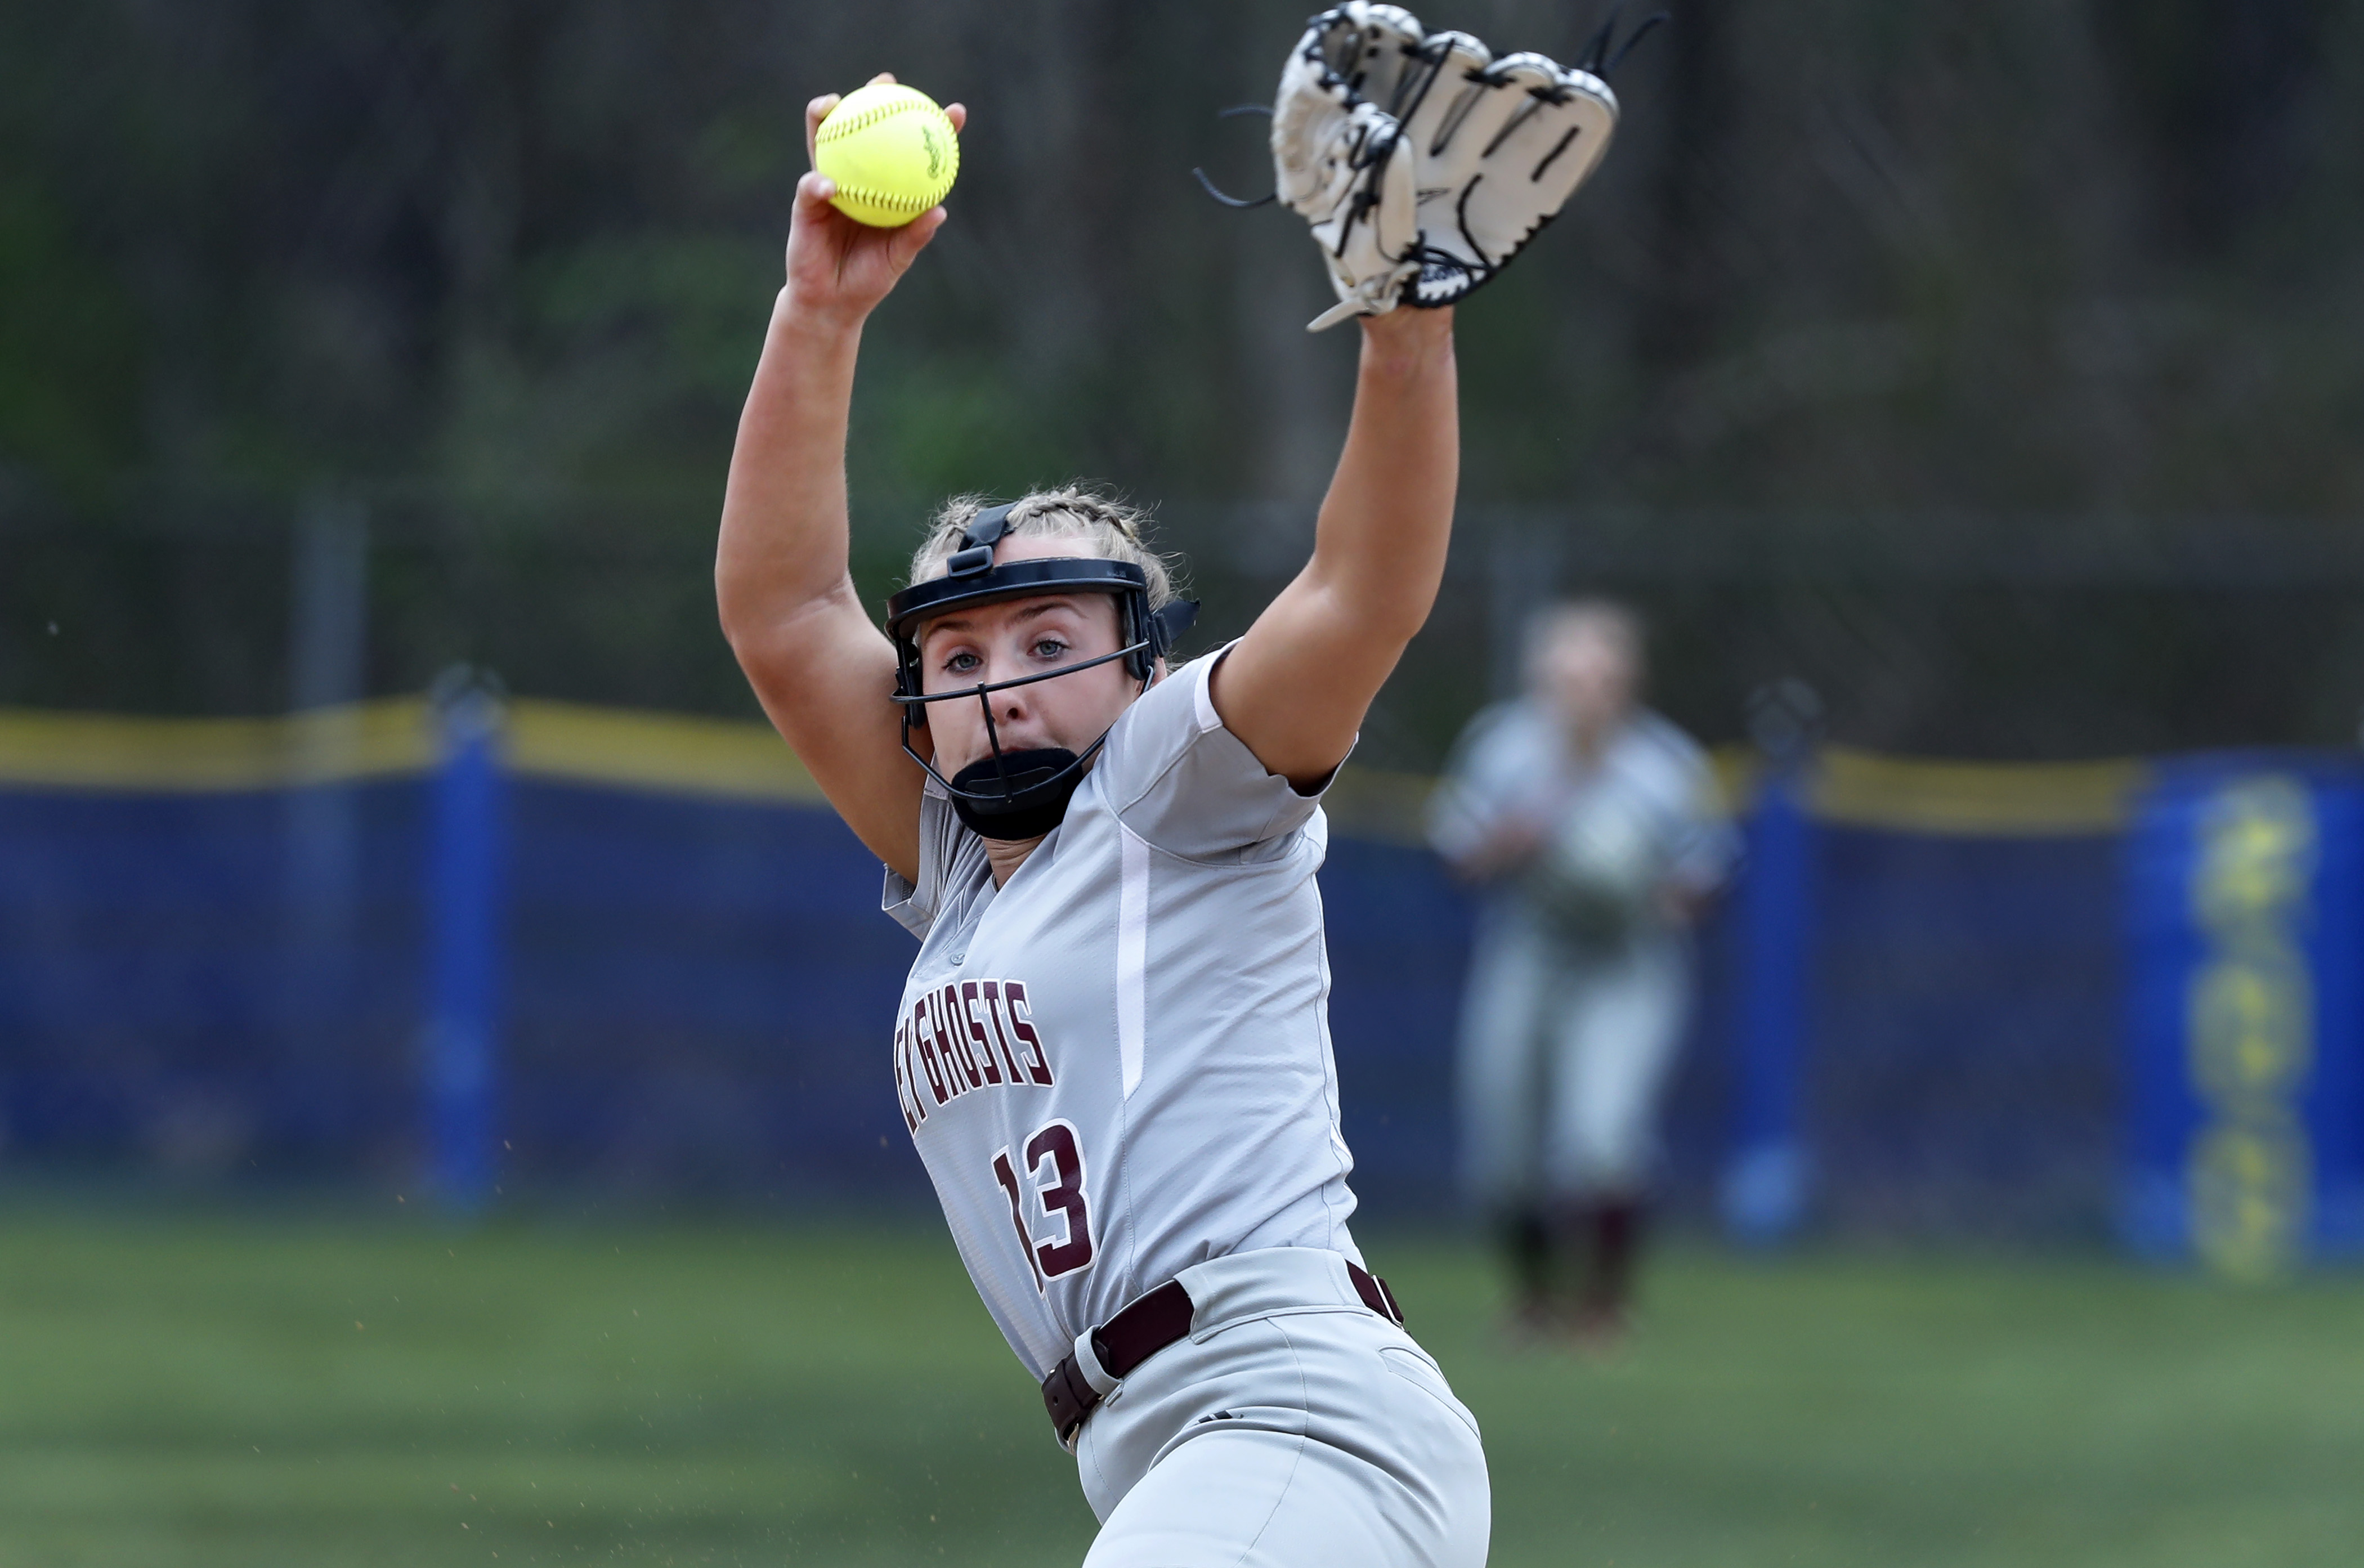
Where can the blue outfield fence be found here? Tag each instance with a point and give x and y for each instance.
(635, 951)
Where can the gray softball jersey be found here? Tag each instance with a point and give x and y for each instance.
(1119, 1065)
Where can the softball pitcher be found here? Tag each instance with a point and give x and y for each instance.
(1113, 1053)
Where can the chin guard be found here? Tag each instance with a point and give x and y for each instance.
(1017, 795)
(1021, 794)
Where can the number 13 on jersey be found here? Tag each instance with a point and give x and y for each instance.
(1048, 1187)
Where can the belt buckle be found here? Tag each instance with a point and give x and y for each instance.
(1069, 1399)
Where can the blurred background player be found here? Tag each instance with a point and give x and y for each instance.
(1594, 829)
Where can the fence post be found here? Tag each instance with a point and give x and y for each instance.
(1765, 1186)
(460, 1052)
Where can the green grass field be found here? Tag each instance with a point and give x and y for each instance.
(250, 1391)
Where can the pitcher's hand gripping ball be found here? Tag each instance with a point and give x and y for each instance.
(891, 151)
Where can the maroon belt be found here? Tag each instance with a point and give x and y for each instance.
(1148, 1326)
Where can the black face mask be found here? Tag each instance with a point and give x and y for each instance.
(1017, 794)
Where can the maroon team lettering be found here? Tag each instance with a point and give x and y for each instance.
(965, 1035)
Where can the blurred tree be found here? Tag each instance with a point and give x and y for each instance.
(2028, 255)
(504, 267)
(69, 337)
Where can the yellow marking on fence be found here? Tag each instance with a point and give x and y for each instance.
(116, 752)
(1739, 769)
(2251, 1022)
(659, 751)
(736, 759)
(2006, 800)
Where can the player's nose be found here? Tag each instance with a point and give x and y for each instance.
(1016, 702)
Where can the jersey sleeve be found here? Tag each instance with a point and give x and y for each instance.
(1482, 782)
(1184, 784)
(946, 847)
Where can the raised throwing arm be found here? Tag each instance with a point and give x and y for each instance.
(822, 668)
(1295, 688)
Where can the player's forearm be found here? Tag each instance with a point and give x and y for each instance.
(1379, 544)
(783, 547)
(1294, 690)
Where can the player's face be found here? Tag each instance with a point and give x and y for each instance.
(1011, 640)
(1588, 675)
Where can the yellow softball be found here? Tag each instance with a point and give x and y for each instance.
(891, 151)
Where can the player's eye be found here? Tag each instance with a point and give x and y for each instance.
(1049, 648)
(961, 663)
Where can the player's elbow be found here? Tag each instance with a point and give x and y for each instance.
(729, 607)
(746, 626)
(766, 636)
(1375, 594)
(746, 606)
(1400, 620)
(1378, 612)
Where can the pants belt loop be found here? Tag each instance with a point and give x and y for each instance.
(1376, 1294)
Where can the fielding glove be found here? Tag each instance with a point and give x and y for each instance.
(1339, 158)
(1423, 163)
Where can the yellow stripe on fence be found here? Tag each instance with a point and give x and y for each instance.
(677, 753)
(111, 751)
(662, 751)
(2011, 800)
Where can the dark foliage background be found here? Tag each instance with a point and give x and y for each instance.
(1997, 369)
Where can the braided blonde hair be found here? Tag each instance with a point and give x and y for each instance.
(1103, 525)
